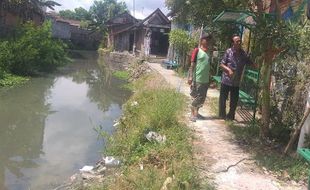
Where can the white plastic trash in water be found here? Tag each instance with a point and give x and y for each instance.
(87, 169)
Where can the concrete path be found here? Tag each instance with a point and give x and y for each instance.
(216, 150)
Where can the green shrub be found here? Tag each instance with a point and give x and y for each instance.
(32, 51)
(12, 80)
(5, 56)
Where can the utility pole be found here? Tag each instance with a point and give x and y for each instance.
(134, 9)
(134, 32)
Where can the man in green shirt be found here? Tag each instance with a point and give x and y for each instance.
(199, 74)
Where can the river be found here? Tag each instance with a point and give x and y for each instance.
(47, 126)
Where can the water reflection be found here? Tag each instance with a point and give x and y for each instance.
(46, 126)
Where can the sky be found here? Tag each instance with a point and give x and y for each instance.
(143, 7)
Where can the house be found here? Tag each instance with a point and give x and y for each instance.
(147, 36)
(119, 35)
(70, 30)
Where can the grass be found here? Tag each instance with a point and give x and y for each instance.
(269, 155)
(124, 75)
(11, 80)
(153, 107)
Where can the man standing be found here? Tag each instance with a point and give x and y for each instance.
(232, 65)
(199, 74)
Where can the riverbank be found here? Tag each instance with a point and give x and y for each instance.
(160, 149)
(151, 140)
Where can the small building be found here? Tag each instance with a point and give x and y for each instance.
(119, 36)
(147, 36)
(70, 30)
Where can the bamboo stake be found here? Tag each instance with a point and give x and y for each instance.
(297, 132)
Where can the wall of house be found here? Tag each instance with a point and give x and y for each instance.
(84, 39)
(61, 30)
(11, 19)
(121, 41)
(139, 39)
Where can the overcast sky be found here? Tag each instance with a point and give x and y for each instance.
(143, 7)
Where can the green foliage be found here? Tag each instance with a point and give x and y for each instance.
(102, 11)
(292, 79)
(12, 80)
(124, 75)
(157, 109)
(283, 166)
(200, 12)
(34, 51)
(182, 42)
(5, 55)
(67, 14)
(78, 14)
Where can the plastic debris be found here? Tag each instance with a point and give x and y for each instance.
(141, 166)
(135, 103)
(116, 124)
(153, 136)
(111, 161)
(87, 169)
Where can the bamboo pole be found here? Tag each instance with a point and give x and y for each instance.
(297, 132)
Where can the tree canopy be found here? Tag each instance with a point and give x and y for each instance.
(98, 14)
(103, 10)
(78, 14)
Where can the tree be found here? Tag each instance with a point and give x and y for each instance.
(82, 14)
(103, 10)
(78, 14)
(67, 14)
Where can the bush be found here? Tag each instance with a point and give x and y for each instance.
(5, 56)
(34, 51)
(182, 43)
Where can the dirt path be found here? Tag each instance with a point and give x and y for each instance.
(221, 159)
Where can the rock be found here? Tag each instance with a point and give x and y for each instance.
(88, 176)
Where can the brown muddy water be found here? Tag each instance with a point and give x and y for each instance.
(47, 126)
